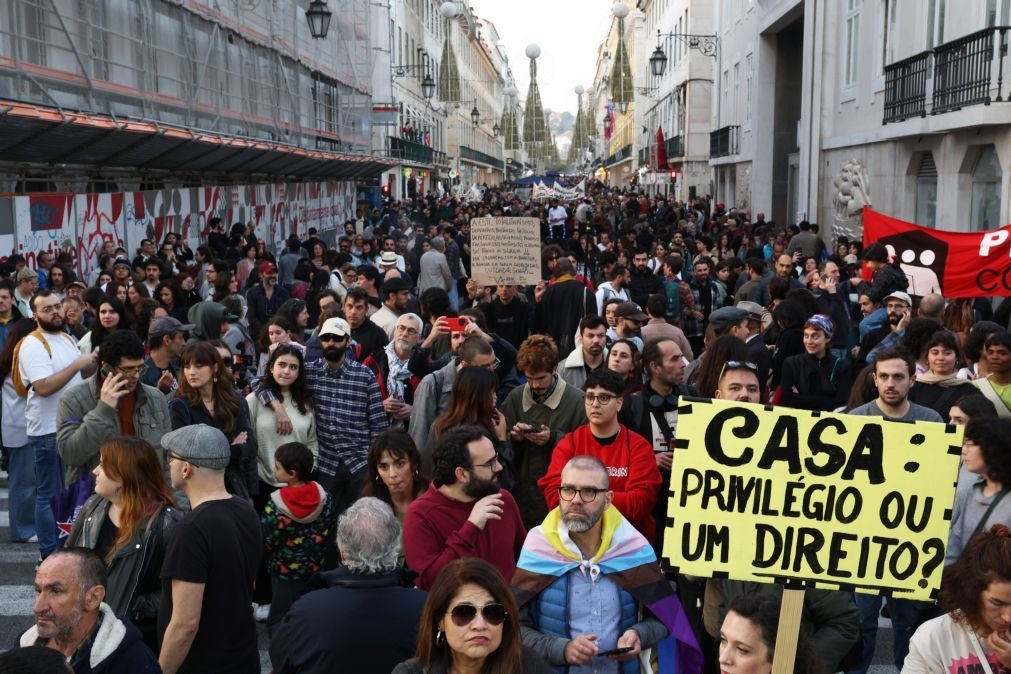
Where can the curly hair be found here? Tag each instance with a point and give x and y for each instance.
(538, 353)
(762, 610)
(985, 560)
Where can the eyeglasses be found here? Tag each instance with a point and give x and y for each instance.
(464, 614)
(49, 308)
(738, 365)
(136, 371)
(586, 494)
(490, 464)
(170, 456)
(600, 398)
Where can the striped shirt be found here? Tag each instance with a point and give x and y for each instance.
(349, 413)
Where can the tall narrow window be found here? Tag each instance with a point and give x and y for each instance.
(935, 22)
(852, 45)
(986, 176)
(725, 112)
(888, 43)
(749, 76)
(737, 93)
(926, 192)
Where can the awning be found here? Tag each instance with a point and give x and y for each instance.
(33, 134)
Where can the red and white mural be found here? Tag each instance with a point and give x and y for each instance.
(80, 223)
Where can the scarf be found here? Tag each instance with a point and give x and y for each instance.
(396, 380)
(942, 380)
(625, 556)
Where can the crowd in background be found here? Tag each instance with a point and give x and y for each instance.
(317, 435)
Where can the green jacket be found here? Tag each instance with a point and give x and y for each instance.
(831, 615)
(84, 422)
(563, 412)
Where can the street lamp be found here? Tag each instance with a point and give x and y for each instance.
(658, 62)
(623, 106)
(428, 86)
(475, 115)
(496, 130)
(318, 15)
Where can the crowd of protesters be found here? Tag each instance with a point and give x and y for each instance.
(400, 470)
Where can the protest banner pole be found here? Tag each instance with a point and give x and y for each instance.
(788, 631)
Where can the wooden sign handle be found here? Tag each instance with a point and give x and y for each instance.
(788, 631)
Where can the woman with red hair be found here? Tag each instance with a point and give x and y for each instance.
(128, 522)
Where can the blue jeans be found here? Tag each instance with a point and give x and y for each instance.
(904, 617)
(49, 481)
(873, 321)
(21, 486)
(454, 296)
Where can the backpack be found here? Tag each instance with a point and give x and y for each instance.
(20, 387)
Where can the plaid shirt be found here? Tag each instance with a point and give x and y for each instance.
(349, 413)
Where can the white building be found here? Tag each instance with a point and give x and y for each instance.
(907, 97)
(678, 102)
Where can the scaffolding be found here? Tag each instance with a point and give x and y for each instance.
(245, 69)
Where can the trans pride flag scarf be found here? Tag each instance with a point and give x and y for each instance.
(626, 557)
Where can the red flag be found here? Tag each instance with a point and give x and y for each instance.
(954, 264)
(661, 151)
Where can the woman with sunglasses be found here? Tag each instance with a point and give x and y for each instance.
(972, 636)
(471, 624)
(207, 395)
(285, 377)
(816, 379)
(129, 522)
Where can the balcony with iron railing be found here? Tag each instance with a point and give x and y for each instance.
(675, 146)
(471, 154)
(966, 71)
(408, 150)
(723, 142)
(619, 156)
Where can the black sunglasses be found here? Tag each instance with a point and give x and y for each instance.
(464, 614)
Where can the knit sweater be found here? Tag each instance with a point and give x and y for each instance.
(264, 423)
(437, 532)
(635, 479)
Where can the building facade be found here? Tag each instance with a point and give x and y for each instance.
(675, 108)
(897, 104)
(615, 149)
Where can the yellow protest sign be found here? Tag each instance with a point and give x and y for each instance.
(812, 499)
(505, 251)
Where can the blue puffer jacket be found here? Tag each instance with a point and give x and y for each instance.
(550, 611)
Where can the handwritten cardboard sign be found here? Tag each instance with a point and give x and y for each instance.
(811, 499)
(505, 251)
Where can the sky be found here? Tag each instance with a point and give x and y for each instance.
(568, 33)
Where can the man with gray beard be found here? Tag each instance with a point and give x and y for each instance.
(603, 622)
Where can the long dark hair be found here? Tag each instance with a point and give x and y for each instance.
(299, 389)
(226, 400)
(19, 330)
(98, 331)
(432, 649)
(397, 443)
(716, 355)
(470, 403)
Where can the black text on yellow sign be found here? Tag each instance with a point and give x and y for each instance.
(815, 499)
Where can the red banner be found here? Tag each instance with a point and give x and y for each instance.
(954, 264)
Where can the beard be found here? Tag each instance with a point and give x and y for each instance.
(579, 525)
(334, 354)
(61, 630)
(478, 488)
(54, 324)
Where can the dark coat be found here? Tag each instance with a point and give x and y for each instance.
(561, 308)
(357, 623)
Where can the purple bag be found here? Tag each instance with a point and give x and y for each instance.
(67, 502)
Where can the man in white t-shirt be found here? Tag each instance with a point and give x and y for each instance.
(557, 216)
(48, 372)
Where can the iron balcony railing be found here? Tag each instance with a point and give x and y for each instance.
(621, 155)
(408, 150)
(723, 142)
(967, 71)
(675, 146)
(482, 157)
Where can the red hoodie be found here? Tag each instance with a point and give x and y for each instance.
(635, 479)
